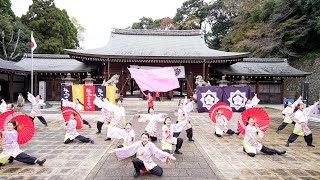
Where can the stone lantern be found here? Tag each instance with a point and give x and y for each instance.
(243, 82)
(68, 80)
(223, 82)
(89, 80)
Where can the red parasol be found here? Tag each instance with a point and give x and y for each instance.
(25, 127)
(224, 107)
(67, 111)
(260, 116)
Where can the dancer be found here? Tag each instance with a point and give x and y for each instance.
(157, 96)
(106, 114)
(76, 105)
(150, 100)
(221, 125)
(288, 110)
(152, 119)
(253, 102)
(167, 135)
(71, 132)
(3, 106)
(10, 146)
(251, 140)
(183, 109)
(118, 120)
(36, 102)
(128, 135)
(144, 151)
(300, 116)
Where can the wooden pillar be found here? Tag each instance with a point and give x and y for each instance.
(53, 89)
(105, 74)
(204, 69)
(108, 68)
(190, 84)
(206, 78)
(11, 87)
(123, 80)
(257, 87)
(282, 90)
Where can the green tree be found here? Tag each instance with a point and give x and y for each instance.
(53, 29)
(191, 15)
(14, 39)
(147, 23)
(5, 8)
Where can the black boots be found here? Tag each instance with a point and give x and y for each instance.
(311, 145)
(41, 162)
(137, 174)
(177, 152)
(281, 152)
(287, 145)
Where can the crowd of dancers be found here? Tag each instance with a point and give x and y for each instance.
(114, 115)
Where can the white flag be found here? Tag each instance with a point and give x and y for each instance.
(33, 43)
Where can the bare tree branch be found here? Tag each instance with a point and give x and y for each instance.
(16, 44)
(3, 46)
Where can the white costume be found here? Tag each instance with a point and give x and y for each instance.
(183, 113)
(251, 139)
(167, 134)
(35, 105)
(144, 153)
(78, 106)
(71, 132)
(3, 107)
(106, 114)
(152, 120)
(287, 112)
(301, 118)
(221, 124)
(254, 102)
(10, 145)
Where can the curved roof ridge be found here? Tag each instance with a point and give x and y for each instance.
(266, 60)
(157, 32)
(47, 56)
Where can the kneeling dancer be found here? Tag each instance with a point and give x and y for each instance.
(72, 133)
(144, 151)
(10, 146)
(251, 140)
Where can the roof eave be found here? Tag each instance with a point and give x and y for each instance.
(102, 57)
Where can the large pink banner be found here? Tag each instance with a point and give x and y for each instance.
(162, 79)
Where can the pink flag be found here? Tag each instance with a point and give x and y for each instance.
(162, 79)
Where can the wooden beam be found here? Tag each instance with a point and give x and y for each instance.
(53, 89)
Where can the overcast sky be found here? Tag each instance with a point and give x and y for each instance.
(99, 16)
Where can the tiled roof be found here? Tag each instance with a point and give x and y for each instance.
(53, 63)
(261, 67)
(10, 66)
(153, 44)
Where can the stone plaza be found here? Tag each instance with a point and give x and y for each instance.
(208, 157)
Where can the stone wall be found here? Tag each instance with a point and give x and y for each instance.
(308, 65)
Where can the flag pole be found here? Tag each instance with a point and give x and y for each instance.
(31, 66)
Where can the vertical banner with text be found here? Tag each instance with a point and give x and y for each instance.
(100, 93)
(111, 94)
(236, 97)
(77, 92)
(89, 92)
(66, 92)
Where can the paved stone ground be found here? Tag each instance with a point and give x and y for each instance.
(208, 157)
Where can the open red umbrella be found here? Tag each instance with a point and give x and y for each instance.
(223, 107)
(260, 116)
(67, 111)
(25, 126)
